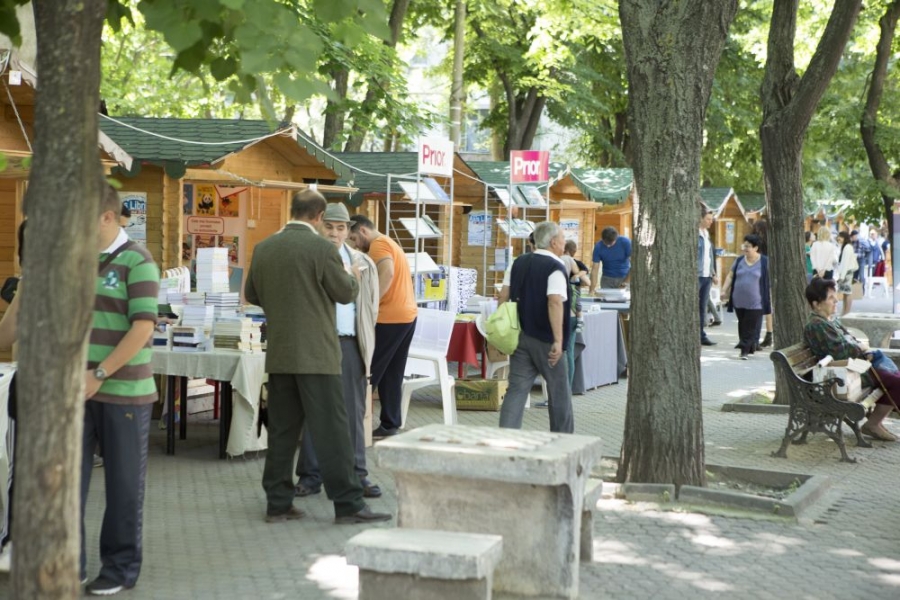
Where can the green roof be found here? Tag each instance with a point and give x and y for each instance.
(368, 171)
(496, 172)
(180, 143)
(219, 137)
(713, 197)
(609, 186)
(752, 201)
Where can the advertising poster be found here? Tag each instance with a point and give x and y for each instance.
(187, 203)
(229, 200)
(729, 232)
(571, 228)
(479, 229)
(205, 199)
(231, 242)
(137, 224)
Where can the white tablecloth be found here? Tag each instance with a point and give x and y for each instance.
(6, 373)
(246, 372)
(603, 358)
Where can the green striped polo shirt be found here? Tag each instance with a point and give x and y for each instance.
(127, 291)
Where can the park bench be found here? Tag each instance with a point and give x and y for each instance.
(418, 564)
(814, 407)
(593, 490)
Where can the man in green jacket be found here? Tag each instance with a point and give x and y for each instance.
(297, 276)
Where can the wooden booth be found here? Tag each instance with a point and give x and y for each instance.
(198, 183)
(730, 226)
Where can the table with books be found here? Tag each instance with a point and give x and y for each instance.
(242, 374)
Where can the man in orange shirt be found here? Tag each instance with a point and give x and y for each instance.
(396, 319)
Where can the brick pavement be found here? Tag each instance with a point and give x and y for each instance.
(205, 536)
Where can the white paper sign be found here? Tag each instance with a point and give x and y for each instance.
(570, 228)
(479, 229)
(436, 157)
(136, 228)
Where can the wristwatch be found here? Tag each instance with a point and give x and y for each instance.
(100, 373)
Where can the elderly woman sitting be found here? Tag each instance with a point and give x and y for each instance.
(825, 335)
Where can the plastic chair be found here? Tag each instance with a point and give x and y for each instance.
(880, 281)
(426, 362)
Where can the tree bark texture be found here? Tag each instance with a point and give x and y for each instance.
(881, 170)
(361, 125)
(335, 110)
(671, 50)
(789, 102)
(60, 263)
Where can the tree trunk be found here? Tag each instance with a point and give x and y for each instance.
(788, 103)
(335, 111)
(671, 54)
(361, 125)
(881, 170)
(456, 90)
(60, 267)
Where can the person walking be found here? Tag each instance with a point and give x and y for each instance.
(748, 290)
(613, 254)
(848, 267)
(539, 284)
(823, 254)
(297, 277)
(863, 251)
(706, 268)
(356, 330)
(396, 324)
(119, 395)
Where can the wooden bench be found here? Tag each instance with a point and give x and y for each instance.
(814, 407)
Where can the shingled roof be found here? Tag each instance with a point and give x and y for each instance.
(609, 186)
(179, 143)
(496, 172)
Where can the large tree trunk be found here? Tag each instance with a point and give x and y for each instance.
(335, 111)
(881, 170)
(57, 298)
(671, 53)
(788, 103)
(361, 125)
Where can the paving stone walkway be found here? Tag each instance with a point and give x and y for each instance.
(205, 536)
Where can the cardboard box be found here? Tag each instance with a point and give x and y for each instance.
(480, 394)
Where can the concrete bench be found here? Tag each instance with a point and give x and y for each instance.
(526, 486)
(593, 489)
(422, 564)
(878, 327)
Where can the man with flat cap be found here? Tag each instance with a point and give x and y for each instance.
(356, 331)
(297, 277)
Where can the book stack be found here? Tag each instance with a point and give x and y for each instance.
(188, 339)
(226, 304)
(194, 315)
(238, 335)
(258, 316)
(212, 270)
(161, 336)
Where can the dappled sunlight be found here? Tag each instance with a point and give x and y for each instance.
(893, 580)
(711, 541)
(700, 580)
(714, 359)
(846, 552)
(333, 575)
(617, 553)
(888, 564)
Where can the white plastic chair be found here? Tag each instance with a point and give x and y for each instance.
(880, 281)
(426, 362)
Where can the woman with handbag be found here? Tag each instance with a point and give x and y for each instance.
(748, 292)
(825, 336)
(847, 267)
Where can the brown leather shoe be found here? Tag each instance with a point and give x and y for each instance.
(880, 433)
(292, 514)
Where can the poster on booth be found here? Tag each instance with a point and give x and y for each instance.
(479, 229)
(205, 199)
(571, 229)
(136, 228)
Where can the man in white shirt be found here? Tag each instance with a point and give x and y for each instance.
(706, 269)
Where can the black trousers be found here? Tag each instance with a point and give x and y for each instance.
(319, 401)
(123, 431)
(392, 342)
(705, 283)
(749, 323)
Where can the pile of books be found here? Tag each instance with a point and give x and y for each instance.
(226, 304)
(258, 316)
(212, 270)
(239, 334)
(194, 315)
(161, 336)
(188, 339)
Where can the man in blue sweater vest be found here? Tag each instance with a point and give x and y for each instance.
(539, 284)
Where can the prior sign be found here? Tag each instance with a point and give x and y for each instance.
(436, 157)
(529, 166)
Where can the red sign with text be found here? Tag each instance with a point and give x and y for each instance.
(529, 166)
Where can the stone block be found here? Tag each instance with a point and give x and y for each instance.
(593, 490)
(649, 492)
(424, 564)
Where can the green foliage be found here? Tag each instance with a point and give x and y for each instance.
(9, 22)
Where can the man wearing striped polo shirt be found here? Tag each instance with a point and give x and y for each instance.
(119, 394)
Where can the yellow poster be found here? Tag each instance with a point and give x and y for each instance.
(205, 199)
